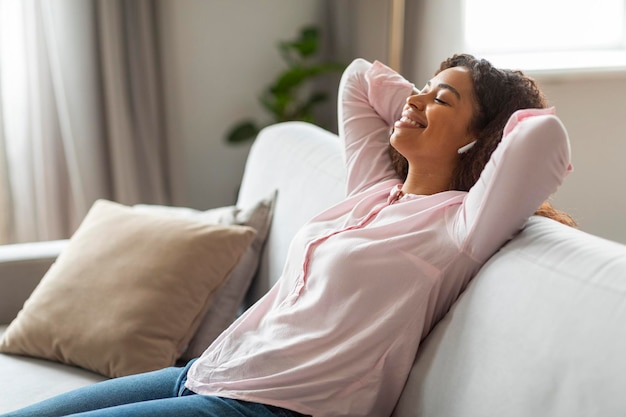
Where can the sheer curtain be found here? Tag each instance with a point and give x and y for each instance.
(81, 113)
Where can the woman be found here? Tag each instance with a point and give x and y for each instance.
(367, 279)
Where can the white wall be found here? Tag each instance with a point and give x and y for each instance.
(219, 55)
(594, 112)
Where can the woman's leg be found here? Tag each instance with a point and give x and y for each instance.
(154, 394)
(191, 406)
(164, 383)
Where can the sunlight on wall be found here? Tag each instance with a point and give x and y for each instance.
(542, 25)
(547, 34)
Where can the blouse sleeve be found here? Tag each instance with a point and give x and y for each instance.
(370, 98)
(527, 167)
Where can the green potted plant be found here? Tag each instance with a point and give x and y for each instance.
(290, 96)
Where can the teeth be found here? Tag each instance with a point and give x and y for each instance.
(411, 121)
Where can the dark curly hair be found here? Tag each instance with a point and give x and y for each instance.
(498, 94)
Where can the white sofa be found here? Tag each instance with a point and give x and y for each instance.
(540, 331)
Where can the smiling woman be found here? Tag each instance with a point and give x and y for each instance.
(465, 84)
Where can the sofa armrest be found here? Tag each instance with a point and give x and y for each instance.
(22, 266)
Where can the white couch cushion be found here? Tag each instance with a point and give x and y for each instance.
(304, 163)
(538, 332)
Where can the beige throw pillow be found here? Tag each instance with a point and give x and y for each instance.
(128, 292)
(229, 297)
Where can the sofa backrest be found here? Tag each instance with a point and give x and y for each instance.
(540, 331)
(304, 163)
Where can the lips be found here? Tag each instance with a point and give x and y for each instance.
(410, 119)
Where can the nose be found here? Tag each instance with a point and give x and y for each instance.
(415, 101)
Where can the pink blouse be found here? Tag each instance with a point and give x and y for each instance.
(366, 280)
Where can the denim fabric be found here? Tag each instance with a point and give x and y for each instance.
(154, 394)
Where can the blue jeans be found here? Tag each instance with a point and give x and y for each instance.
(152, 394)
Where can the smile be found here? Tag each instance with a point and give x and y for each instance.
(405, 119)
(410, 119)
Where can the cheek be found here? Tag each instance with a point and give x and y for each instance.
(458, 134)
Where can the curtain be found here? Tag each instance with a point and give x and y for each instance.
(134, 106)
(5, 214)
(432, 32)
(81, 113)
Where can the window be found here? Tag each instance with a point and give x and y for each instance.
(547, 35)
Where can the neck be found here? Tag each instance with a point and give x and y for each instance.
(426, 183)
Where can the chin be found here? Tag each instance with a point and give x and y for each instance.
(397, 142)
(393, 139)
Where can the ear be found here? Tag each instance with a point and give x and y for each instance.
(466, 148)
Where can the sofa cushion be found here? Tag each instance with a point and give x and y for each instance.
(305, 164)
(128, 292)
(229, 297)
(539, 331)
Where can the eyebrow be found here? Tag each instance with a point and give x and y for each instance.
(447, 87)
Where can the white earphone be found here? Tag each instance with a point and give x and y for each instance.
(466, 148)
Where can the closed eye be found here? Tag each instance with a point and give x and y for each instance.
(440, 101)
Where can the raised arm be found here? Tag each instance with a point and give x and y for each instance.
(527, 167)
(370, 99)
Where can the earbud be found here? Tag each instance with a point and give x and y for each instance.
(466, 148)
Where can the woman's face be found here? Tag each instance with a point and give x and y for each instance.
(436, 122)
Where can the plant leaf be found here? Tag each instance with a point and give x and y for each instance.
(277, 104)
(304, 112)
(308, 43)
(290, 79)
(242, 132)
(284, 99)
